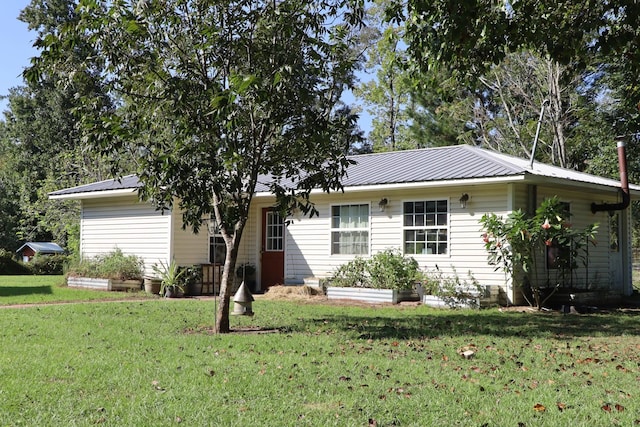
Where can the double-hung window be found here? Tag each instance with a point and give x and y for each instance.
(425, 227)
(350, 229)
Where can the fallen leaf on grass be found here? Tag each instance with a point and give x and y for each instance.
(539, 407)
(156, 385)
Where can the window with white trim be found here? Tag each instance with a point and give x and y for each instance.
(425, 227)
(350, 229)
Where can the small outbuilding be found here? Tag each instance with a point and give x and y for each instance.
(30, 249)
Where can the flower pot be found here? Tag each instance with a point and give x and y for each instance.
(194, 288)
(152, 285)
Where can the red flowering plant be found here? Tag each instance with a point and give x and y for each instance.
(518, 242)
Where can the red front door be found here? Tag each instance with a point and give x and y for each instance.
(272, 261)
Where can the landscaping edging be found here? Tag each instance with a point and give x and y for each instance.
(103, 284)
(371, 295)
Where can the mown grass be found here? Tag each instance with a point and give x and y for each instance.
(154, 362)
(49, 289)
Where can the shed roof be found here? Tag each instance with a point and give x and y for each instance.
(43, 247)
(459, 163)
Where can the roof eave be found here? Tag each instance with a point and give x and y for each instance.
(94, 194)
(540, 179)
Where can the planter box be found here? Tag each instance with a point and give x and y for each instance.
(436, 301)
(371, 295)
(103, 284)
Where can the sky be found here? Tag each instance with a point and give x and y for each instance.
(16, 46)
(16, 50)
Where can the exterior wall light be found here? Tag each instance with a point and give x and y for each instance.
(383, 203)
(463, 200)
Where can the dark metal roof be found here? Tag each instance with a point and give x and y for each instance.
(124, 183)
(459, 162)
(435, 164)
(43, 247)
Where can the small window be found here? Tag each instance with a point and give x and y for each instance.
(350, 229)
(426, 227)
(217, 248)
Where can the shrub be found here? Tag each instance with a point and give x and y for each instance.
(351, 275)
(453, 290)
(9, 265)
(391, 270)
(47, 264)
(113, 265)
(388, 269)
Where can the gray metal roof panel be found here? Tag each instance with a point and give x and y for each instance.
(124, 183)
(43, 247)
(459, 162)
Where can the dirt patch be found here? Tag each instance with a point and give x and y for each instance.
(292, 292)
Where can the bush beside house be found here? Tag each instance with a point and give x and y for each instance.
(387, 276)
(111, 271)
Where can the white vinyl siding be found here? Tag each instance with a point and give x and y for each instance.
(124, 223)
(137, 228)
(306, 253)
(188, 248)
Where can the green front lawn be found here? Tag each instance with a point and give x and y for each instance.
(154, 362)
(49, 289)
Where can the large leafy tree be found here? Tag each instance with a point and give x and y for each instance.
(213, 95)
(386, 96)
(41, 142)
(470, 37)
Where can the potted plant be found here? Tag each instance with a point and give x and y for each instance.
(171, 283)
(192, 279)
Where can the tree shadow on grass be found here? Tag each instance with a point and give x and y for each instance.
(494, 323)
(10, 291)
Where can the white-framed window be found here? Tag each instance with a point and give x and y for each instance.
(274, 233)
(350, 229)
(426, 227)
(217, 247)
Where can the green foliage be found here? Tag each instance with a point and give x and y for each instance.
(47, 264)
(215, 95)
(352, 274)
(388, 269)
(453, 290)
(518, 242)
(10, 265)
(247, 269)
(592, 39)
(113, 265)
(172, 278)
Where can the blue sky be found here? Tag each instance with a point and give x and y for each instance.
(15, 46)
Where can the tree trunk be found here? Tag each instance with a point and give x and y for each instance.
(226, 281)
